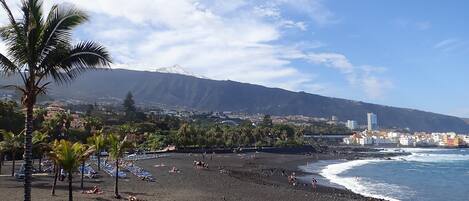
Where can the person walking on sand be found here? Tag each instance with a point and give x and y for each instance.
(313, 183)
(292, 179)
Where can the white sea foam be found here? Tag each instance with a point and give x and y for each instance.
(375, 189)
(428, 155)
(356, 184)
(435, 158)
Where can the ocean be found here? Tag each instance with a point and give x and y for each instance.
(425, 175)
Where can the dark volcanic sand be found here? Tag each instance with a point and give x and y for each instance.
(243, 177)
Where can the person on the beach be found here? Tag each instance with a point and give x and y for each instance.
(313, 183)
(292, 179)
(62, 175)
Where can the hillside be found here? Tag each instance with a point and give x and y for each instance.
(205, 94)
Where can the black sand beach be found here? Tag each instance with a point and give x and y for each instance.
(247, 176)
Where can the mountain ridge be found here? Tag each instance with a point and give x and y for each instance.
(217, 95)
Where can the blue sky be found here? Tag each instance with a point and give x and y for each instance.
(401, 53)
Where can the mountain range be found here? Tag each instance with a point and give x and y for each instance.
(193, 92)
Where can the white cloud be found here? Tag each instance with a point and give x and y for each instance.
(452, 45)
(446, 43)
(230, 39)
(313, 8)
(365, 77)
(334, 60)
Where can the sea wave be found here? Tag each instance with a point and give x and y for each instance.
(435, 158)
(428, 155)
(419, 159)
(356, 184)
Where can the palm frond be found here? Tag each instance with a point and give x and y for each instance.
(64, 65)
(7, 66)
(58, 27)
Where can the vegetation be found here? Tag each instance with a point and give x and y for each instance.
(98, 141)
(40, 48)
(151, 132)
(69, 156)
(12, 142)
(40, 145)
(117, 148)
(11, 119)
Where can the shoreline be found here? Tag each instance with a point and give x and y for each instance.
(374, 154)
(332, 168)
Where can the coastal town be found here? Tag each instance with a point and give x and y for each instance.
(369, 134)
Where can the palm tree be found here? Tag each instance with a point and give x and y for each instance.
(40, 144)
(39, 49)
(56, 166)
(69, 156)
(53, 126)
(3, 149)
(98, 141)
(117, 148)
(91, 123)
(12, 142)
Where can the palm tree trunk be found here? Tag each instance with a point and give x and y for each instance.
(82, 173)
(56, 170)
(40, 163)
(13, 156)
(28, 147)
(116, 188)
(99, 161)
(1, 162)
(70, 190)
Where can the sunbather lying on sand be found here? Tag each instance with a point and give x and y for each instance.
(200, 164)
(160, 165)
(174, 170)
(95, 190)
(132, 198)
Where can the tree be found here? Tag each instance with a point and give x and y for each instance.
(3, 149)
(98, 141)
(129, 107)
(10, 118)
(267, 121)
(39, 49)
(69, 156)
(40, 145)
(117, 148)
(12, 142)
(54, 127)
(129, 103)
(92, 123)
(67, 119)
(39, 118)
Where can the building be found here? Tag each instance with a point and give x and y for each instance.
(372, 121)
(406, 140)
(351, 124)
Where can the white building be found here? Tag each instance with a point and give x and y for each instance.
(377, 140)
(352, 125)
(365, 140)
(406, 140)
(372, 121)
(465, 138)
